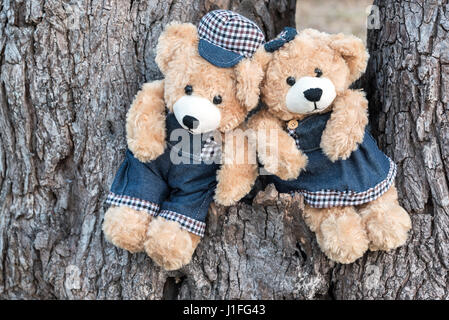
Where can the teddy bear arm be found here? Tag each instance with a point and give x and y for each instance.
(346, 128)
(238, 172)
(145, 122)
(276, 150)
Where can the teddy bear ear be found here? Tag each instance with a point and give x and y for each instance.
(249, 74)
(177, 37)
(353, 51)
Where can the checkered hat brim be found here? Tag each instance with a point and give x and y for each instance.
(231, 31)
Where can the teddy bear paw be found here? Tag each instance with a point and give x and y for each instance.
(168, 245)
(228, 195)
(387, 230)
(126, 228)
(343, 238)
(146, 151)
(336, 152)
(340, 146)
(290, 168)
(286, 168)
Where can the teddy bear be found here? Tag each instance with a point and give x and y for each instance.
(322, 148)
(175, 129)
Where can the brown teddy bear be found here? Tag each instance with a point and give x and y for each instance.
(323, 149)
(162, 191)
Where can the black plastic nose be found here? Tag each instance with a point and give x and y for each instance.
(190, 122)
(313, 95)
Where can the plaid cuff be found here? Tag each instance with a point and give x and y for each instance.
(331, 198)
(133, 203)
(189, 224)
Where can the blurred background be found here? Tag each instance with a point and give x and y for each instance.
(334, 16)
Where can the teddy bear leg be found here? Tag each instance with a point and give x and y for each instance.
(126, 228)
(339, 231)
(386, 222)
(170, 246)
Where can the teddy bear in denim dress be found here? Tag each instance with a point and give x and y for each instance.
(322, 148)
(162, 191)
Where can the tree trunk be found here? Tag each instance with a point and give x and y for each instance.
(68, 74)
(408, 85)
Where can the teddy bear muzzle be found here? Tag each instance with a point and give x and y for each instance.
(310, 95)
(197, 114)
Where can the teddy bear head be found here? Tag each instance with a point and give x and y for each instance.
(306, 71)
(202, 96)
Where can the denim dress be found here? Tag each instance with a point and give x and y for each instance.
(178, 185)
(363, 177)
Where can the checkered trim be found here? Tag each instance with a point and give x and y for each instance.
(231, 31)
(331, 198)
(189, 224)
(133, 203)
(292, 133)
(211, 150)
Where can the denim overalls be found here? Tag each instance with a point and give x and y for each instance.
(180, 191)
(362, 178)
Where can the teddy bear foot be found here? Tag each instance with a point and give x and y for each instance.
(126, 228)
(387, 226)
(342, 237)
(168, 245)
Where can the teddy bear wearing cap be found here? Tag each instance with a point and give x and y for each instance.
(324, 150)
(162, 191)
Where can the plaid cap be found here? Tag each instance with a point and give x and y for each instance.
(227, 37)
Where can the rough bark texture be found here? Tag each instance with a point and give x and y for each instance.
(69, 71)
(408, 85)
(68, 74)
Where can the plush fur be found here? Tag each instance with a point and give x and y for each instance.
(145, 122)
(168, 245)
(237, 174)
(343, 233)
(126, 228)
(278, 152)
(339, 232)
(177, 57)
(386, 222)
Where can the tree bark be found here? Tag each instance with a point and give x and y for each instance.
(408, 83)
(68, 74)
(69, 71)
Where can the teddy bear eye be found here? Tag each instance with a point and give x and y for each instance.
(188, 89)
(217, 99)
(318, 72)
(291, 81)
